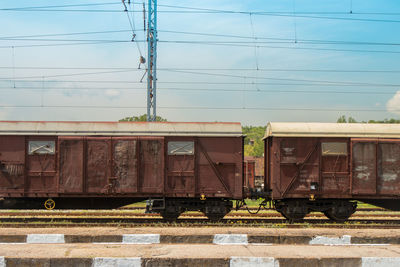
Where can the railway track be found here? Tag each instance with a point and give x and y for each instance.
(148, 222)
(133, 219)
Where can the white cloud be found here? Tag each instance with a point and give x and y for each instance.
(3, 115)
(393, 105)
(112, 93)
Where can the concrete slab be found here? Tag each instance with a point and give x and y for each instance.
(141, 239)
(274, 232)
(45, 238)
(197, 251)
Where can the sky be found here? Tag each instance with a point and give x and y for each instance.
(244, 61)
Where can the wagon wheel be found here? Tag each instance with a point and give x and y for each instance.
(341, 211)
(215, 217)
(170, 216)
(49, 204)
(293, 210)
(293, 216)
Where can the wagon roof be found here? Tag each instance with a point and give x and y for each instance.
(298, 129)
(120, 128)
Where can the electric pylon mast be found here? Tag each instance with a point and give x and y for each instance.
(152, 60)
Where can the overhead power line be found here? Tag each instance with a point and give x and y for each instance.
(191, 90)
(58, 6)
(201, 108)
(210, 69)
(306, 15)
(267, 78)
(194, 73)
(62, 34)
(270, 41)
(296, 47)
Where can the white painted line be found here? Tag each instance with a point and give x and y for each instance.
(2, 261)
(324, 240)
(45, 238)
(141, 239)
(230, 239)
(13, 243)
(379, 262)
(253, 262)
(117, 262)
(366, 245)
(107, 243)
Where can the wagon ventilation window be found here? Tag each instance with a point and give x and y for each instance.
(180, 148)
(41, 147)
(334, 149)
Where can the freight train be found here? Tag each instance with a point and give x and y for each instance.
(180, 167)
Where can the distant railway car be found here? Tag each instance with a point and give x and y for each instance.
(177, 166)
(249, 170)
(325, 166)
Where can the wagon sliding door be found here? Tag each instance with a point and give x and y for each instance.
(335, 174)
(363, 167)
(299, 166)
(71, 155)
(125, 164)
(12, 164)
(151, 164)
(388, 168)
(376, 167)
(181, 168)
(41, 165)
(111, 165)
(98, 165)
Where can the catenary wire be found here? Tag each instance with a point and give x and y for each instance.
(38, 89)
(201, 108)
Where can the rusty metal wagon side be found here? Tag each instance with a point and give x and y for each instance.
(325, 166)
(177, 166)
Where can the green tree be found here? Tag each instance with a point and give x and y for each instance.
(342, 119)
(253, 143)
(385, 121)
(141, 118)
(351, 120)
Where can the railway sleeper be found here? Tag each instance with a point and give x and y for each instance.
(171, 208)
(335, 209)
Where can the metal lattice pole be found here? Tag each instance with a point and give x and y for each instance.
(152, 61)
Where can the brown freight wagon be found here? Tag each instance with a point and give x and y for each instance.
(324, 166)
(178, 166)
(249, 170)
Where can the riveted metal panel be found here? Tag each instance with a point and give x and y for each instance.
(180, 167)
(364, 168)
(12, 164)
(335, 174)
(151, 165)
(98, 160)
(388, 168)
(41, 168)
(71, 151)
(220, 167)
(125, 167)
(298, 165)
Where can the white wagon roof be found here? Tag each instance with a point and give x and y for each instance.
(120, 128)
(298, 129)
